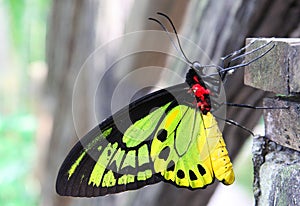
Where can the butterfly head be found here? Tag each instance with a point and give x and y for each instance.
(197, 66)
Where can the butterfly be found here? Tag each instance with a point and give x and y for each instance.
(170, 135)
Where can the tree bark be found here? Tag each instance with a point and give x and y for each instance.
(217, 27)
(70, 39)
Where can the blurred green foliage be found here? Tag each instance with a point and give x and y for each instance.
(17, 151)
(244, 167)
(25, 29)
(28, 19)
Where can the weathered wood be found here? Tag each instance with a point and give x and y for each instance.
(277, 72)
(70, 39)
(277, 172)
(283, 125)
(276, 167)
(285, 189)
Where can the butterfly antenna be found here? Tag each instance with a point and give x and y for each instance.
(176, 34)
(180, 50)
(166, 30)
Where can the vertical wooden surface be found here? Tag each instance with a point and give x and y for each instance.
(276, 156)
(218, 27)
(70, 39)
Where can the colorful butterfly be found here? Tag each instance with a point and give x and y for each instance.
(169, 135)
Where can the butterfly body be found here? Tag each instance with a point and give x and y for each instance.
(200, 91)
(169, 135)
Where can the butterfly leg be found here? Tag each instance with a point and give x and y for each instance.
(254, 107)
(235, 53)
(232, 122)
(237, 56)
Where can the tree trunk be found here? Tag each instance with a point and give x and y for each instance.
(70, 39)
(217, 27)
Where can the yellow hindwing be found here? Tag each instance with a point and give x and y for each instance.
(188, 149)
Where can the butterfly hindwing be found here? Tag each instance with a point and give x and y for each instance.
(182, 151)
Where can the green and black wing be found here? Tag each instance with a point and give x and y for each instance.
(160, 137)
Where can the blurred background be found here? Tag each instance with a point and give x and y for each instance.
(43, 45)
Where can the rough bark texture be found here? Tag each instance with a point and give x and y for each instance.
(279, 173)
(281, 73)
(276, 171)
(69, 41)
(218, 27)
(276, 156)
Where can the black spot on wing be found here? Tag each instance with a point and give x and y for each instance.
(180, 174)
(192, 175)
(201, 169)
(171, 166)
(162, 135)
(164, 154)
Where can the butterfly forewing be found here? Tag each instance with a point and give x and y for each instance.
(114, 157)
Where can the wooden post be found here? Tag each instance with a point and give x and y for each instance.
(276, 156)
